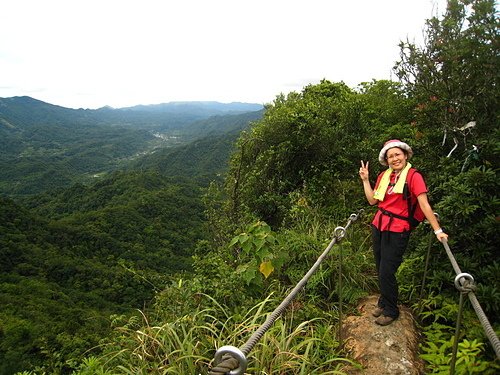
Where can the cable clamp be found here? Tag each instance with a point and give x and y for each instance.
(236, 354)
(339, 233)
(466, 285)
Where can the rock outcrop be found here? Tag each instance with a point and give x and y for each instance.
(391, 349)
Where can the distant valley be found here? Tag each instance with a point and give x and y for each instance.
(46, 146)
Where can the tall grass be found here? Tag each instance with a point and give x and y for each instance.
(188, 344)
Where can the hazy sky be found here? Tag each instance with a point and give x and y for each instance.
(92, 53)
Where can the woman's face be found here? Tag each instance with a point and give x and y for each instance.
(396, 158)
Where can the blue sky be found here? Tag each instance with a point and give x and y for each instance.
(92, 53)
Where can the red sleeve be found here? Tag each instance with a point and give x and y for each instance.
(418, 185)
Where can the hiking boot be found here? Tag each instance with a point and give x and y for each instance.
(377, 312)
(384, 320)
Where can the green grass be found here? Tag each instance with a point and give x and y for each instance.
(188, 345)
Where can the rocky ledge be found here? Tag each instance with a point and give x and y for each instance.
(381, 350)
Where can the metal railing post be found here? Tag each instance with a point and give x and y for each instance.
(457, 334)
(340, 294)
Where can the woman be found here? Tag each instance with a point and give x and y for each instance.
(391, 225)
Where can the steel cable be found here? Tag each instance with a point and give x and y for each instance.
(465, 283)
(225, 352)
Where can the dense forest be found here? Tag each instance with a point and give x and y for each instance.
(140, 240)
(46, 146)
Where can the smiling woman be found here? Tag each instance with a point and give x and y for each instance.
(401, 195)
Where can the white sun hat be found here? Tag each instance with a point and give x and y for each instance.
(393, 143)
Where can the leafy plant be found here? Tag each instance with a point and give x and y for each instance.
(257, 252)
(437, 352)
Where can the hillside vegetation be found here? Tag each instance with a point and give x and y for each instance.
(46, 146)
(150, 269)
(77, 256)
(83, 254)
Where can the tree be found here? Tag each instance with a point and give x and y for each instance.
(455, 79)
(309, 145)
(292, 145)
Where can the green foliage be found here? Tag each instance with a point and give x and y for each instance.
(437, 352)
(473, 193)
(454, 77)
(258, 245)
(454, 81)
(44, 324)
(91, 366)
(99, 250)
(347, 273)
(439, 308)
(307, 348)
(438, 315)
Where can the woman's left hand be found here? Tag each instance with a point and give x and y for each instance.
(442, 236)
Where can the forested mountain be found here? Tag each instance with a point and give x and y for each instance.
(204, 158)
(200, 109)
(173, 117)
(99, 250)
(83, 249)
(46, 146)
(38, 312)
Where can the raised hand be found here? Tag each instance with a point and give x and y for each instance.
(363, 171)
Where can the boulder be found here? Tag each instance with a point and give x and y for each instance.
(381, 350)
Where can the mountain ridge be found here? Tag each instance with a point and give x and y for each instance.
(197, 105)
(232, 106)
(46, 146)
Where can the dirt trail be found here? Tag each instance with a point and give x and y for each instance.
(389, 350)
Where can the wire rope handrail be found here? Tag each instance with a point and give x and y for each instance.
(231, 360)
(464, 283)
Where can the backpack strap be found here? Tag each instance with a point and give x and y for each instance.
(412, 205)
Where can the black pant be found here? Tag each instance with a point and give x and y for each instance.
(388, 249)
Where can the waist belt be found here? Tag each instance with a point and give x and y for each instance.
(391, 215)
